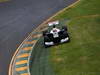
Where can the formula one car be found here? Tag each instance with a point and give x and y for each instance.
(50, 40)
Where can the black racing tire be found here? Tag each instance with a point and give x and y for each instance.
(66, 34)
(63, 34)
(65, 28)
(46, 46)
(47, 39)
(44, 32)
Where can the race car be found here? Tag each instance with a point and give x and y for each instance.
(53, 37)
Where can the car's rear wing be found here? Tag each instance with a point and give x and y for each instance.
(53, 23)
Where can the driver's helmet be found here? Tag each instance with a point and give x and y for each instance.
(54, 30)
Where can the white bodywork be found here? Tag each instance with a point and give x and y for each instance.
(64, 40)
(49, 43)
(53, 23)
(55, 34)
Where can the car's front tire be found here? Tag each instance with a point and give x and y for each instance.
(65, 28)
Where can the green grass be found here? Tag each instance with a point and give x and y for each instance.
(83, 8)
(82, 55)
(3, 1)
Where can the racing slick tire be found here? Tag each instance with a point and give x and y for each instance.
(65, 28)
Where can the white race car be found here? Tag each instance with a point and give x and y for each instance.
(50, 39)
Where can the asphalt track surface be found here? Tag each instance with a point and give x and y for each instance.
(17, 19)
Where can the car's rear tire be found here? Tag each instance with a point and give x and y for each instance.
(46, 46)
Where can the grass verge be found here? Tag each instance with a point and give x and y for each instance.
(81, 55)
(3, 1)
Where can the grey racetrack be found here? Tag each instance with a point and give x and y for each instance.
(17, 19)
